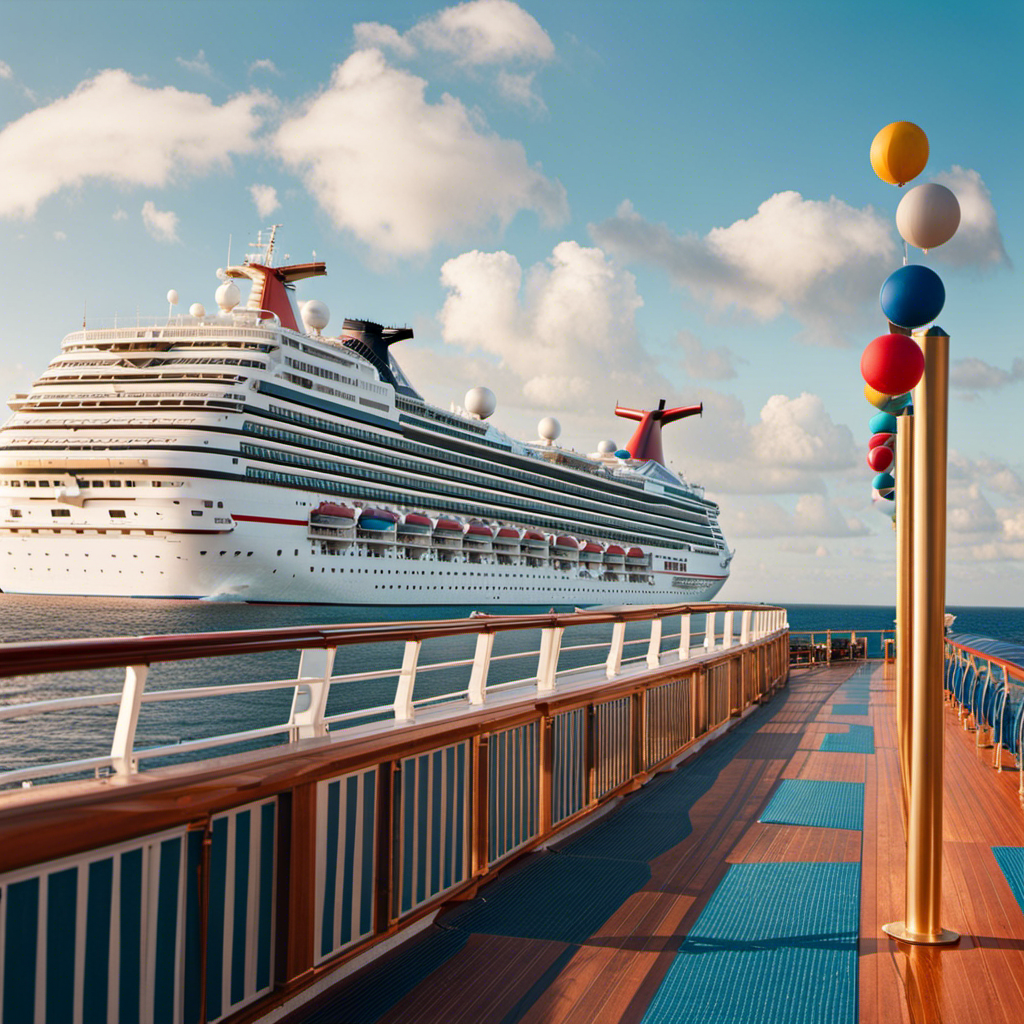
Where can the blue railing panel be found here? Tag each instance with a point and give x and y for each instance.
(569, 764)
(513, 760)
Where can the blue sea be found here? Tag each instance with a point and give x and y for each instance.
(88, 732)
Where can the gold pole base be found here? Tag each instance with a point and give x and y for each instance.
(898, 931)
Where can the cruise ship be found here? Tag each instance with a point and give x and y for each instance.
(245, 455)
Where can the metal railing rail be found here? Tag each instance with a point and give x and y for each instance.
(822, 646)
(315, 678)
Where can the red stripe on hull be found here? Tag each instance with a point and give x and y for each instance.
(268, 519)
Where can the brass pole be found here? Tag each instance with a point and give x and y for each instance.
(904, 596)
(924, 832)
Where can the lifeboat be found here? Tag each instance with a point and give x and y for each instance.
(447, 536)
(507, 534)
(332, 522)
(591, 553)
(480, 530)
(329, 509)
(448, 527)
(533, 539)
(563, 545)
(614, 554)
(378, 520)
(415, 523)
(636, 556)
(506, 543)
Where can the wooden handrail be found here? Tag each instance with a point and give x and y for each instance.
(38, 656)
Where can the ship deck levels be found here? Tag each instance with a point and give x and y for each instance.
(749, 884)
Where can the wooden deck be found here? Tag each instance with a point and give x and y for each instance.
(614, 974)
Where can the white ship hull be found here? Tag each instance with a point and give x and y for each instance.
(269, 558)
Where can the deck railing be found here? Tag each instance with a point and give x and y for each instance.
(823, 646)
(988, 694)
(237, 885)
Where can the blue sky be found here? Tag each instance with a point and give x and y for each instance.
(572, 204)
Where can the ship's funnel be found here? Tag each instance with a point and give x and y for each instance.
(645, 444)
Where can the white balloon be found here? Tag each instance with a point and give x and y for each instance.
(928, 216)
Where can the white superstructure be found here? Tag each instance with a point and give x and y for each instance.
(244, 455)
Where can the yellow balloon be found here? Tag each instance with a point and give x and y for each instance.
(876, 397)
(899, 152)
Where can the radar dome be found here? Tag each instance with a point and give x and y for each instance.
(607, 447)
(548, 429)
(197, 309)
(172, 297)
(315, 315)
(228, 296)
(480, 402)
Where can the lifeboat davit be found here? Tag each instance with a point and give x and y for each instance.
(377, 519)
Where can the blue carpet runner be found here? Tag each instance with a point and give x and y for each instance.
(859, 740)
(849, 709)
(775, 943)
(817, 804)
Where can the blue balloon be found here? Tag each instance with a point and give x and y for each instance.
(912, 296)
(885, 484)
(883, 423)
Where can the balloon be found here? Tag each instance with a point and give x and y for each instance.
(879, 399)
(912, 296)
(892, 363)
(880, 459)
(882, 440)
(928, 215)
(898, 405)
(882, 422)
(884, 484)
(899, 152)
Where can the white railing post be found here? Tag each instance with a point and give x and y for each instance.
(310, 700)
(727, 630)
(481, 667)
(684, 637)
(404, 711)
(654, 647)
(547, 663)
(745, 626)
(709, 631)
(613, 663)
(128, 719)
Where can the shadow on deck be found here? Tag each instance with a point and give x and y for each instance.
(750, 884)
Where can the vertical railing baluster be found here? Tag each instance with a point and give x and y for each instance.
(128, 719)
(547, 663)
(709, 631)
(654, 647)
(481, 668)
(745, 626)
(613, 663)
(727, 629)
(403, 706)
(684, 636)
(309, 702)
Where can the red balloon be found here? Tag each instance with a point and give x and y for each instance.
(880, 459)
(882, 441)
(892, 364)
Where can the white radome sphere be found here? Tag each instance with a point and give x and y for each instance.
(315, 314)
(228, 296)
(928, 216)
(221, 274)
(480, 402)
(172, 297)
(197, 309)
(607, 447)
(549, 428)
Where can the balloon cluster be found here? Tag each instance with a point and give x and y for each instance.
(912, 296)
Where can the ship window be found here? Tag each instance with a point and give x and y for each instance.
(278, 552)
(97, 483)
(16, 513)
(202, 552)
(115, 483)
(129, 483)
(197, 512)
(15, 483)
(60, 512)
(30, 483)
(207, 504)
(116, 513)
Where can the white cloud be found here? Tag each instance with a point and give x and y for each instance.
(519, 89)
(814, 516)
(60, 236)
(978, 241)
(485, 32)
(265, 198)
(703, 362)
(5, 70)
(819, 261)
(198, 64)
(264, 64)
(798, 433)
(574, 314)
(373, 35)
(113, 128)
(120, 214)
(968, 511)
(161, 224)
(976, 375)
(432, 172)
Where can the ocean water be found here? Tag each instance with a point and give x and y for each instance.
(88, 732)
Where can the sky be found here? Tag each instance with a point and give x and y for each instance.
(572, 204)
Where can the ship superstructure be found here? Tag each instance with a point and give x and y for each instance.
(245, 455)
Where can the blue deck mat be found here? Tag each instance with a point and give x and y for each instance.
(775, 943)
(849, 709)
(816, 803)
(859, 740)
(1011, 862)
